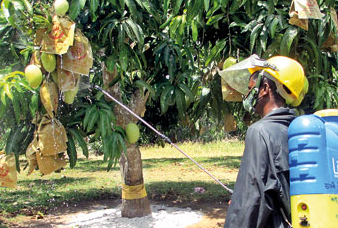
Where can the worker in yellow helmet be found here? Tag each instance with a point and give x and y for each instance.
(261, 195)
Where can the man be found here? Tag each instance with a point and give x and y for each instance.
(261, 195)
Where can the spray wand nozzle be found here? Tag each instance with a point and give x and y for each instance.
(85, 84)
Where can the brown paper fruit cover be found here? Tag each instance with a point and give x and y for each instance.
(8, 175)
(79, 58)
(49, 164)
(67, 80)
(49, 97)
(230, 123)
(58, 40)
(51, 136)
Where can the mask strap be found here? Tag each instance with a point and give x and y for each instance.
(258, 84)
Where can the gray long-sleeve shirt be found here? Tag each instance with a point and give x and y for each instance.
(262, 185)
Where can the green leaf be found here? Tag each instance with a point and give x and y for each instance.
(204, 100)
(71, 151)
(224, 3)
(121, 142)
(82, 143)
(93, 120)
(165, 6)
(34, 104)
(178, 53)
(215, 51)
(16, 107)
(287, 40)
(234, 6)
(122, 4)
(254, 33)
(75, 8)
(106, 145)
(175, 23)
(142, 84)
(123, 58)
(194, 7)
(132, 7)
(167, 21)
(89, 115)
(215, 18)
(164, 101)
(7, 89)
(273, 27)
(263, 37)
(137, 30)
(188, 93)
(166, 55)
(194, 30)
(206, 5)
(149, 7)
(2, 110)
(180, 102)
(177, 6)
(28, 6)
(3, 97)
(94, 5)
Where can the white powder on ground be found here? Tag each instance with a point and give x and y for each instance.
(162, 217)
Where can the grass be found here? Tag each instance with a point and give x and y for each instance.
(168, 175)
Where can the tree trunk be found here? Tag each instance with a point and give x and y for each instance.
(134, 197)
(131, 171)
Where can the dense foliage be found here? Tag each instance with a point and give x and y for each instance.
(171, 48)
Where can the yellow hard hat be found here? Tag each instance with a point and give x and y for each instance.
(289, 77)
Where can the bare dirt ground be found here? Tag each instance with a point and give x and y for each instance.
(212, 214)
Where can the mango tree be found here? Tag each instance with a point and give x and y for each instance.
(157, 55)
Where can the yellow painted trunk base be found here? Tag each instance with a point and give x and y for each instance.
(314, 211)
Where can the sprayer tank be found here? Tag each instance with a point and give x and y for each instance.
(313, 159)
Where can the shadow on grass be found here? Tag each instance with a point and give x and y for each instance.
(46, 195)
(229, 161)
(93, 166)
(44, 198)
(185, 191)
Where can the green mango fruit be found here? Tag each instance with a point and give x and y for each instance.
(132, 132)
(61, 7)
(48, 61)
(33, 76)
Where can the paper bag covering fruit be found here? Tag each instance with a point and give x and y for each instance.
(46, 151)
(67, 80)
(295, 20)
(49, 164)
(31, 155)
(228, 93)
(51, 136)
(46, 164)
(229, 123)
(331, 42)
(8, 175)
(307, 9)
(49, 96)
(58, 40)
(79, 58)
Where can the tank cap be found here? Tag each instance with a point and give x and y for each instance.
(327, 112)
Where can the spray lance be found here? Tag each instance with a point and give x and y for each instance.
(84, 84)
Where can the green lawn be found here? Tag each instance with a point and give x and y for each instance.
(168, 175)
